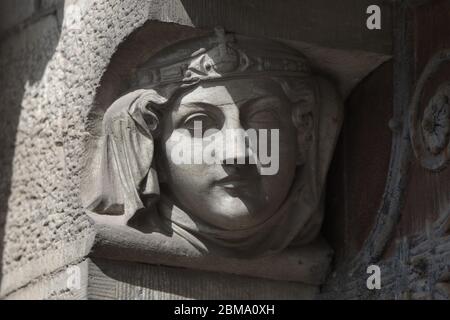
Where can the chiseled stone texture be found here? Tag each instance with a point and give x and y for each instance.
(48, 80)
(68, 283)
(135, 281)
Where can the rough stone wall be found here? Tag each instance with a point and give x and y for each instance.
(51, 63)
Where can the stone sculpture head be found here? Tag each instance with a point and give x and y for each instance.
(237, 202)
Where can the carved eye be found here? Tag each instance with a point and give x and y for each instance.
(198, 123)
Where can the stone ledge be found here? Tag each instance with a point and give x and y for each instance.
(54, 287)
(307, 264)
(134, 281)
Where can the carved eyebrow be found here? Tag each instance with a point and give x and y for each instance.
(246, 102)
(252, 102)
(198, 104)
(185, 109)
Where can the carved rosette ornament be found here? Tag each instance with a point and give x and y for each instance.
(430, 128)
(436, 122)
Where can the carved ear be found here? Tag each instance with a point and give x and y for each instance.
(121, 173)
(302, 93)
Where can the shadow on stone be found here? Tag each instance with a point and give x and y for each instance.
(24, 55)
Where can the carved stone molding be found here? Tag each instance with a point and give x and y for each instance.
(417, 269)
(349, 279)
(416, 266)
(430, 120)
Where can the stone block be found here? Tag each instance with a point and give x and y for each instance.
(111, 280)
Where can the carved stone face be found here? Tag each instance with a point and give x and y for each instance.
(229, 196)
(248, 201)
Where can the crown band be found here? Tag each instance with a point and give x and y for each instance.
(224, 58)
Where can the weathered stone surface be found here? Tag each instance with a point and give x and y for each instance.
(68, 283)
(111, 280)
(43, 112)
(308, 264)
(30, 163)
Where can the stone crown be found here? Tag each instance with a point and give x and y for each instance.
(219, 56)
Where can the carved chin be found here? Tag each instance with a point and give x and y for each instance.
(234, 208)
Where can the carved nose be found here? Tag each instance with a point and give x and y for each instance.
(235, 145)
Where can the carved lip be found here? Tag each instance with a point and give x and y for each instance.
(235, 181)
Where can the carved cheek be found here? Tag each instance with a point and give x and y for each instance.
(177, 147)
